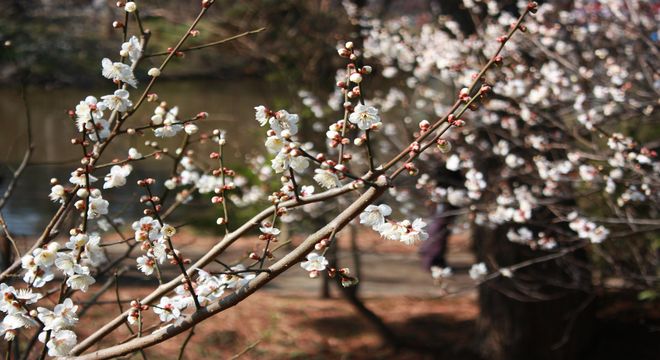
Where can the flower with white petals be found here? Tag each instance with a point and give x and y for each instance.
(132, 48)
(415, 233)
(117, 71)
(238, 278)
(391, 230)
(283, 121)
(315, 263)
(261, 114)
(440, 272)
(477, 271)
(97, 207)
(146, 264)
(117, 176)
(118, 100)
(364, 116)
(326, 179)
(167, 309)
(60, 343)
(375, 215)
(134, 154)
(147, 228)
(80, 280)
(78, 178)
(57, 193)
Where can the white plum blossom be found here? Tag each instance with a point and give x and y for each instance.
(477, 271)
(97, 207)
(63, 315)
(132, 49)
(167, 309)
(438, 272)
(117, 71)
(57, 193)
(283, 121)
(146, 229)
(118, 101)
(87, 110)
(168, 120)
(326, 179)
(61, 342)
(374, 216)
(364, 116)
(78, 178)
(45, 256)
(134, 154)
(587, 229)
(238, 278)
(391, 230)
(261, 114)
(80, 280)
(415, 233)
(146, 264)
(117, 176)
(315, 263)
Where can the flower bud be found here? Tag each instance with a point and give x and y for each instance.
(130, 6)
(153, 72)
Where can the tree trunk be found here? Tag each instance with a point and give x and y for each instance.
(543, 312)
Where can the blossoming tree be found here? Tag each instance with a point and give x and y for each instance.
(356, 167)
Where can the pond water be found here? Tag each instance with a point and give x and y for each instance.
(229, 104)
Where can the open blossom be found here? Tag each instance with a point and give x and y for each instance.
(78, 178)
(170, 125)
(88, 109)
(132, 49)
(326, 179)
(60, 343)
(81, 280)
(117, 176)
(285, 160)
(240, 278)
(261, 114)
(117, 71)
(314, 264)
(66, 262)
(13, 322)
(134, 154)
(146, 264)
(478, 271)
(93, 251)
(45, 257)
(415, 233)
(167, 309)
(587, 229)
(35, 275)
(269, 230)
(63, 315)
(97, 207)
(364, 116)
(118, 100)
(57, 193)
(283, 121)
(147, 228)
(274, 144)
(438, 272)
(374, 216)
(391, 230)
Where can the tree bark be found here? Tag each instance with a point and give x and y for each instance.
(542, 312)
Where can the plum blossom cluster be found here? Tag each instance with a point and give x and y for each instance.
(519, 159)
(405, 231)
